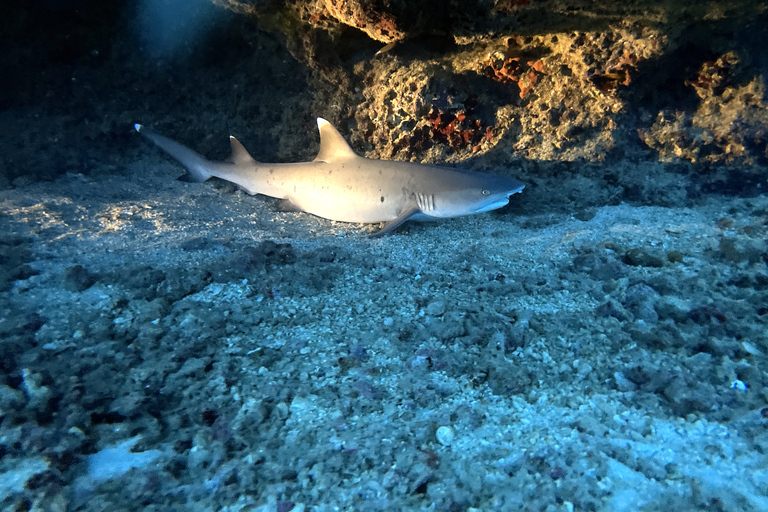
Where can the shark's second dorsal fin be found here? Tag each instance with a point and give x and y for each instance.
(332, 144)
(240, 155)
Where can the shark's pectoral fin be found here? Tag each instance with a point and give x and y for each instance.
(286, 205)
(392, 224)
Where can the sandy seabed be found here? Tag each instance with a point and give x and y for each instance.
(187, 347)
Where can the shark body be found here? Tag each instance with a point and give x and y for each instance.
(343, 186)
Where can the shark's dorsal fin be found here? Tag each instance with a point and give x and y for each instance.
(332, 144)
(240, 155)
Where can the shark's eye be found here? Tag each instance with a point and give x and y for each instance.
(486, 192)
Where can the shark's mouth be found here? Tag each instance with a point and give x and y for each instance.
(500, 200)
(494, 205)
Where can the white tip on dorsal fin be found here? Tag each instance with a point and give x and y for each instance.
(239, 154)
(332, 144)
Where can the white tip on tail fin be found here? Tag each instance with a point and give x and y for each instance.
(199, 168)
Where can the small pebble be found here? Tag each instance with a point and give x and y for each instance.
(640, 257)
(751, 348)
(436, 308)
(444, 435)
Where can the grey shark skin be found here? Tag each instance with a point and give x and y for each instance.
(344, 186)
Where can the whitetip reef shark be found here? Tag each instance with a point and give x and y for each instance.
(343, 186)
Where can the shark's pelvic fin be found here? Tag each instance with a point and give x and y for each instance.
(286, 205)
(333, 147)
(240, 155)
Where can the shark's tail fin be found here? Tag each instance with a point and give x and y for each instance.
(199, 169)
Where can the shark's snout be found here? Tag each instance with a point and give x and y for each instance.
(500, 197)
